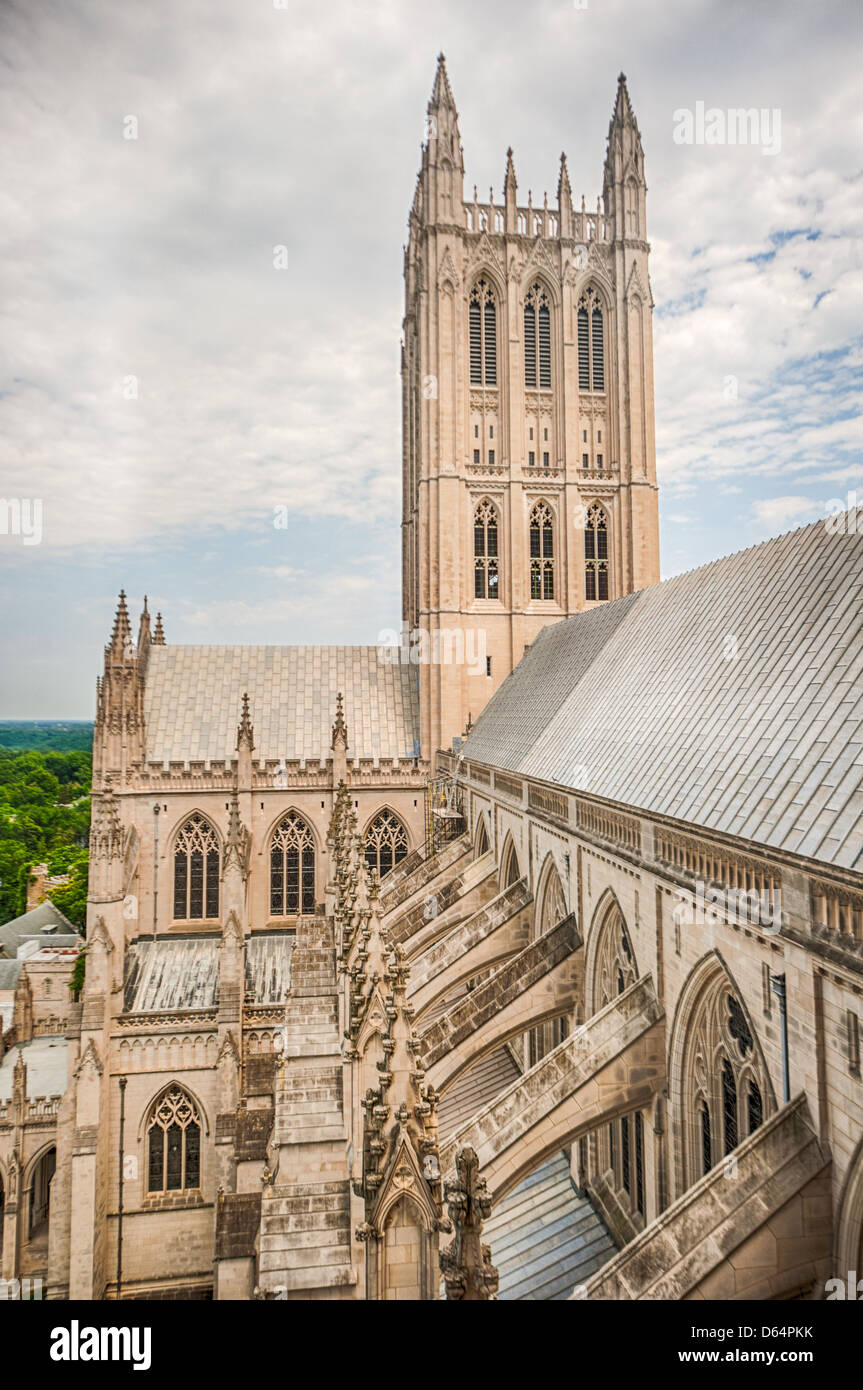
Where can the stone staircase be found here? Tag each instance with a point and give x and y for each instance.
(305, 1242)
(546, 1240)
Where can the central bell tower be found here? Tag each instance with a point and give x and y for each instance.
(529, 469)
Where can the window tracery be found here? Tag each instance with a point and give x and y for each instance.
(174, 1143)
(386, 843)
(485, 550)
(724, 1084)
(196, 871)
(541, 552)
(537, 338)
(596, 554)
(591, 350)
(292, 867)
(483, 335)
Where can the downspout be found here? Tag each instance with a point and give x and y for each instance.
(123, 1081)
(777, 984)
(155, 868)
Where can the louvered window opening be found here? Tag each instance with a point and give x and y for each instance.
(591, 343)
(537, 333)
(483, 336)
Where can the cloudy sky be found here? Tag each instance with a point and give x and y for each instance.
(165, 388)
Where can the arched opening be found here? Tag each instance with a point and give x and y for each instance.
(541, 552)
(551, 909)
(173, 1143)
(510, 871)
(292, 867)
(720, 1084)
(482, 845)
(197, 864)
(486, 570)
(483, 335)
(385, 842)
(40, 1204)
(591, 347)
(596, 554)
(404, 1239)
(612, 958)
(537, 338)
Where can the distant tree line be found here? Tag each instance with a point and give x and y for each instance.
(44, 818)
(57, 735)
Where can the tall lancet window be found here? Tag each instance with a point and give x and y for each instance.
(485, 558)
(596, 554)
(591, 343)
(537, 339)
(541, 552)
(483, 336)
(196, 871)
(173, 1143)
(292, 867)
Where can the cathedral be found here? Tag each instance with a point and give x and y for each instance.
(522, 957)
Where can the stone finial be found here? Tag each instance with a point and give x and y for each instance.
(469, 1274)
(245, 732)
(564, 188)
(340, 728)
(159, 633)
(120, 645)
(237, 838)
(19, 1078)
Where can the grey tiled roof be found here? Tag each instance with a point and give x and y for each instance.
(31, 924)
(46, 1067)
(9, 972)
(193, 698)
(643, 702)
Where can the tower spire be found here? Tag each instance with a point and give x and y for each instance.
(441, 90)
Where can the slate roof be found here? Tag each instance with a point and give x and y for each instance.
(646, 701)
(9, 973)
(13, 934)
(183, 973)
(193, 696)
(46, 1067)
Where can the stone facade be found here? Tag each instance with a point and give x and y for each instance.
(312, 928)
(504, 413)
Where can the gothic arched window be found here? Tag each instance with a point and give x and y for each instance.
(723, 1078)
(386, 843)
(596, 554)
(591, 350)
(486, 572)
(615, 968)
(537, 339)
(292, 867)
(511, 871)
(482, 845)
(541, 552)
(483, 335)
(174, 1143)
(196, 871)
